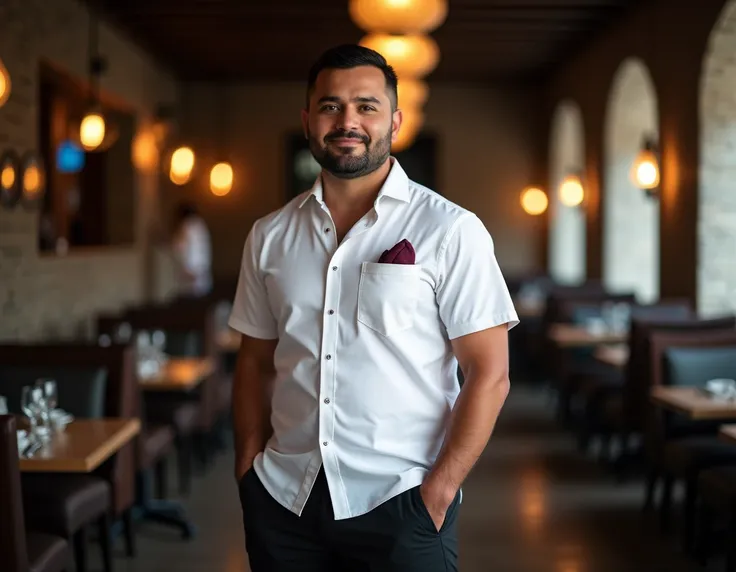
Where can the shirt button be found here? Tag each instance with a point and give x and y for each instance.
(324, 443)
(327, 230)
(331, 312)
(327, 400)
(334, 267)
(328, 356)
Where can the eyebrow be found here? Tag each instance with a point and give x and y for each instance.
(335, 99)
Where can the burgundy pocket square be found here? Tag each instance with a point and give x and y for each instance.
(401, 253)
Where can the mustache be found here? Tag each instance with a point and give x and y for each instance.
(347, 135)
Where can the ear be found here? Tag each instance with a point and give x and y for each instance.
(396, 121)
(305, 123)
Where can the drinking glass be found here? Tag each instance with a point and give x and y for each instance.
(50, 393)
(3, 405)
(29, 404)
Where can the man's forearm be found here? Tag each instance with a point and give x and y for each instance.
(251, 412)
(473, 419)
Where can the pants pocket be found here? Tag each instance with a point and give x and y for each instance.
(450, 514)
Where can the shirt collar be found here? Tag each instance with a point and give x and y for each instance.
(396, 186)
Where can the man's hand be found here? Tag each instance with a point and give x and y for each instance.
(437, 498)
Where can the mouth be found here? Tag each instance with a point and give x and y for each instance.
(345, 141)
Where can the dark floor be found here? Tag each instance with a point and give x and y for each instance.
(532, 504)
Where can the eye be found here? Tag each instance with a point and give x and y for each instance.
(328, 108)
(367, 108)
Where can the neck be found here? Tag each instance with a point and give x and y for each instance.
(349, 195)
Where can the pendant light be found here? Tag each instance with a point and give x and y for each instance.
(221, 175)
(95, 133)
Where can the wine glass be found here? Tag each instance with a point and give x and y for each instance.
(50, 393)
(30, 406)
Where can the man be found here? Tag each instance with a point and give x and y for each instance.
(193, 252)
(351, 439)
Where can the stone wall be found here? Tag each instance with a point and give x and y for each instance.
(566, 224)
(630, 218)
(49, 296)
(717, 200)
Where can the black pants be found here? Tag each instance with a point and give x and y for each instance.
(398, 535)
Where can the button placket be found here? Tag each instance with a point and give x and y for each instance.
(329, 349)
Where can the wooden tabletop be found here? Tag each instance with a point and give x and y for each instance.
(571, 335)
(228, 340)
(693, 402)
(616, 355)
(82, 447)
(728, 432)
(179, 374)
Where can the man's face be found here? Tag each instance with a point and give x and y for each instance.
(349, 122)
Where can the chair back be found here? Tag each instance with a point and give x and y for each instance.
(638, 376)
(13, 549)
(114, 364)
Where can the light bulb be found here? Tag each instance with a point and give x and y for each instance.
(534, 201)
(92, 131)
(221, 179)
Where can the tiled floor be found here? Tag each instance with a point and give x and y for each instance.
(532, 504)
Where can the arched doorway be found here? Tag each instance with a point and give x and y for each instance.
(631, 219)
(716, 278)
(567, 224)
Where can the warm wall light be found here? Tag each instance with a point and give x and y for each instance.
(182, 164)
(645, 170)
(571, 191)
(33, 179)
(411, 55)
(5, 84)
(221, 179)
(9, 178)
(398, 16)
(534, 201)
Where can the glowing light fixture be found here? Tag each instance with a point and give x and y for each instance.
(413, 93)
(5, 84)
(182, 164)
(411, 56)
(33, 179)
(571, 191)
(413, 120)
(645, 170)
(221, 179)
(398, 16)
(534, 201)
(9, 187)
(92, 131)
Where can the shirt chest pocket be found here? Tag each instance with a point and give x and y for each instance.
(387, 296)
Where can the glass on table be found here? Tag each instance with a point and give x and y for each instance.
(3, 405)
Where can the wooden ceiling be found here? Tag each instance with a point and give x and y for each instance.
(254, 40)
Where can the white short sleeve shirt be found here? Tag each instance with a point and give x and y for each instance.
(365, 374)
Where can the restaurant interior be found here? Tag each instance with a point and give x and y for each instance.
(595, 139)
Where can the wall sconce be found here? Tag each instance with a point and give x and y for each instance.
(645, 170)
(534, 201)
(10, 190)
(571, 190)
(5, 84)
(33, 179)
(182, 164)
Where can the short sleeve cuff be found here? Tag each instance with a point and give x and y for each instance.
(249, 330)
(458, 330)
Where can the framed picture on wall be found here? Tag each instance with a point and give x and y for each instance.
(419, 161)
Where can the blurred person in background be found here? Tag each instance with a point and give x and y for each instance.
(193, 251)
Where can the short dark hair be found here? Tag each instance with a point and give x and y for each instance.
(349, 56)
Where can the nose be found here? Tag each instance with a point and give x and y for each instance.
(348, 120)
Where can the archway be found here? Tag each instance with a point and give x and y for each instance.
(567, 224)
(716, 273)
(631, 219)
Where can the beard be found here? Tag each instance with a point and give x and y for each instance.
(348, 162)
